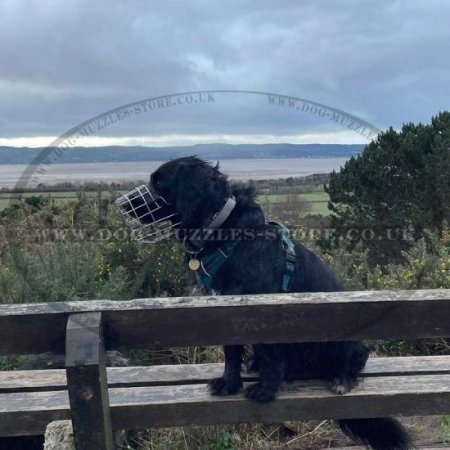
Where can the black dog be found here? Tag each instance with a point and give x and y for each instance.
(198, 191)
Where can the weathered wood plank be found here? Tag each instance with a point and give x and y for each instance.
(221, 320)
(165, 406)
(29, 413)
(55, 379)
(192, 405)
(408, 365)
(86, 382)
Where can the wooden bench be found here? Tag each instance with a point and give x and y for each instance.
(99, 400)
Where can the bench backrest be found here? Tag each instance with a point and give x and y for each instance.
(186, 321)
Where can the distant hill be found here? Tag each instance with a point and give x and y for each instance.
(25, 155)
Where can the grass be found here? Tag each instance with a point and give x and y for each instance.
(289, 435)
(317, 199)
(59, 196)
(445, 428)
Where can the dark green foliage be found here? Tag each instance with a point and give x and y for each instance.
(397, 187)
(82, 250)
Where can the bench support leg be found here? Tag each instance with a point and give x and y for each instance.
(87, 383)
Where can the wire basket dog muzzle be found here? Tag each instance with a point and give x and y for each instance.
(149, 216)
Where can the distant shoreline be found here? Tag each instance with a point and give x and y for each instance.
(212, 152)
(161, 161)
(238, 169)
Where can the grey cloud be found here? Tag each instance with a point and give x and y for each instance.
(63, 62)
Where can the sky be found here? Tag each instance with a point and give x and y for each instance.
(63, 63)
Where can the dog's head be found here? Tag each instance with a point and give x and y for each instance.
(182, 193)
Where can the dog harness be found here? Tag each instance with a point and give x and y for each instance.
(289, 249)
(210, 264)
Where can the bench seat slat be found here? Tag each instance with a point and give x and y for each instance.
(55, 379)
(27, 413)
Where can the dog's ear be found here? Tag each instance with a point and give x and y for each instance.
(201, 192)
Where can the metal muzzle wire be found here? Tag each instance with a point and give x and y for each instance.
(149, 216)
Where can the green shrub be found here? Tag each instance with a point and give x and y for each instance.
(445, 428)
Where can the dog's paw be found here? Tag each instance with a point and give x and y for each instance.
(259, 393)
(221, 386)
(342, 386)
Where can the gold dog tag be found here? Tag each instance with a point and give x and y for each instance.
(194, 264)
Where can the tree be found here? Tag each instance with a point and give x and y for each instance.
(395, 189)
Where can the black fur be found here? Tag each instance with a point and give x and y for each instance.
(198, 190)
(383, 433)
